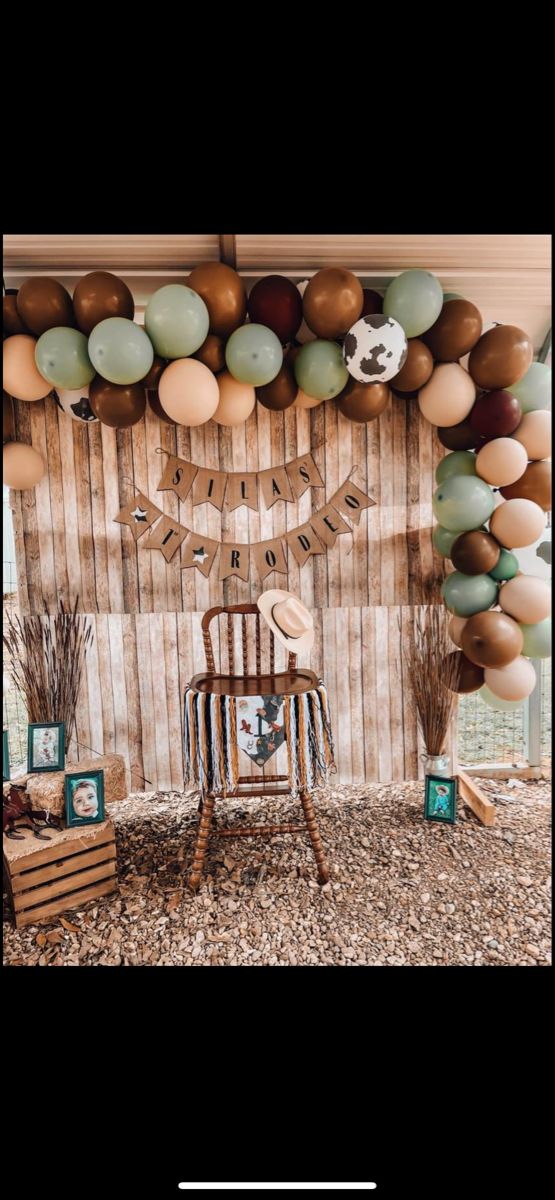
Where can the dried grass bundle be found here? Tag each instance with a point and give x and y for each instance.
(433, 671)
(45, 660)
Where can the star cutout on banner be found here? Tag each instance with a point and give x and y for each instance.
(139, 513)
(199, 555)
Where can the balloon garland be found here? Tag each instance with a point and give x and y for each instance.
(209, 351)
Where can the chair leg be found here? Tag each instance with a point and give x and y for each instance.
(207, 812)
(314, 832)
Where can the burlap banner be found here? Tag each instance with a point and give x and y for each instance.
(288, 482)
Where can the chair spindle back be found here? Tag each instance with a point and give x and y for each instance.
(245, 611)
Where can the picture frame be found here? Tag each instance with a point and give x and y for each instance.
(46, 747)
(440, 799)
(84, 798)
(5, 757)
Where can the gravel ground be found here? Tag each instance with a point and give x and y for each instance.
(403, 891)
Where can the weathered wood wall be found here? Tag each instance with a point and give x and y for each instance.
(147, 612)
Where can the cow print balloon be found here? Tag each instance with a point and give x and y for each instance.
(75, 404)
(375, 349)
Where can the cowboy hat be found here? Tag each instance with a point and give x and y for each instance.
(288, 618)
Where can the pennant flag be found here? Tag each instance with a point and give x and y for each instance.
(351, 501)
(167, 537)
(269, 556)
(304, 542)
(209, 487)
(140, 513)
(328, 524)
(234, 560)
(275, 486)
(303, 473)
(242, 489)
(199, 551)
(178, 477)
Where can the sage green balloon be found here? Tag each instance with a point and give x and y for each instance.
(465, 595)
(415, 300)
(452, 296)
(493, 701)
(62, 357)
(176, 320)
(463, 502)
(319, 369)
(443, 540)
(120, 350)
(460, 462)
(537, 639)
(533, 391)
(253, 354)
(506, 567)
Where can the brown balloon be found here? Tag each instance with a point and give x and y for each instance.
(43, 303)
(332, 302)
(212, 353)
(281, 392)
(475, 552)
(372, 303)
(491, 639)
(115, 404)
(223, 292)
(363, 401)
(470, 677)
(154, 401)
(501, 357)
(11, 319)
(461, 436)
(98, 296)
(8, 420)
(417, 367)
(152, 380)
(455, 332)
(534, 485)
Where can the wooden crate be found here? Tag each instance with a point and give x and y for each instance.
(45, 879)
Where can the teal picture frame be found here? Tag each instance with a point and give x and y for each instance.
(84, 788)
(46, 747)
(440, 799)
(5, 757)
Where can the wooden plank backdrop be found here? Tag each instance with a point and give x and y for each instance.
(146, 612)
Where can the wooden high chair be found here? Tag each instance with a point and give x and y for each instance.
(289, 682)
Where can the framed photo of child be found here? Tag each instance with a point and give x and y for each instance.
(45, 747)
(84, 797)
(440, 802)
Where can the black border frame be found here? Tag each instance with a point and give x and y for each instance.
(450, 779)
(72, 821)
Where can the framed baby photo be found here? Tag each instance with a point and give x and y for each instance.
(45, 747)
(440, 803)
(84, 797)
(5, 757)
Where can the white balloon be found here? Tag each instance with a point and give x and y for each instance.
(76, 404)
(375, 349)
(304, 334)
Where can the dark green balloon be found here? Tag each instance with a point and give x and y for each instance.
(466, 595)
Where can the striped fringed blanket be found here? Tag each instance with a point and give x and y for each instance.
(211, 748)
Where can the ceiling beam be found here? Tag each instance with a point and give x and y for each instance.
(228, 249)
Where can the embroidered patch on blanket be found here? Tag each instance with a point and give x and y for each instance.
(260, 726)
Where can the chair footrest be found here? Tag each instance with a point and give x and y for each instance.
(259, 830)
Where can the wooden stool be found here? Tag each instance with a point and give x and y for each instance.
(270, 682)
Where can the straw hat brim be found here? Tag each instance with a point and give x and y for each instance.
(266, 603)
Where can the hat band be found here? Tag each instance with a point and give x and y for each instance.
(293, 636)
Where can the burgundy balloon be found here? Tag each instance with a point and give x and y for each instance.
(276, 303)
(470, 676)
(495, 414)
(459, 437)
(373, 303)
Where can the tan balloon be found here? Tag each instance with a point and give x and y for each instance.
(332, 302)
(517, 523)
(456, 626)
(303, 401)
(501, 461)
(513, 682)
(188, 392)
(237, 400)
(21, 377)
(527, 598)
(23, 466)
(448, 396)
(534, 433)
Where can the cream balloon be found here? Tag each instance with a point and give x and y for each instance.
(303, 401)
(516, 681)
(23, 466)
(188, 392)
(501, 462)
(526, 598)
(448, 396)
(237, 400)
(534, 433)
(517, 523)
(456, 626)
(22, 379)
